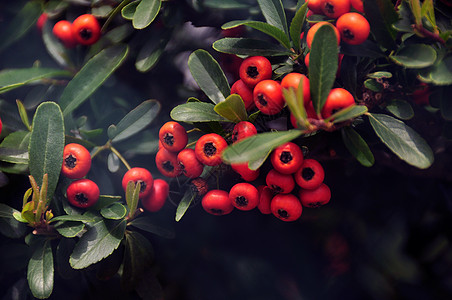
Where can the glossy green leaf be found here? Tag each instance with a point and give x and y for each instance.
(136, 120)
(296, 104)
(196, 112)
(273, 11)
(113, 162)
(349, 113)
(14, 155)
(357, 146)
(23, 114)
(226, 4)
(323, 63)
(14, 78)
(296, 26)
(70, 229)
(145, 13)
(257, 146)
(184, 204)
(381, 16)
(128, 11)
(151, 52)
(116, 211)
(373, 85)
(40, 272)
(400, 109)
(78, 218)
(249, 47)
(46, 145)
(105, 200)
(266, 28)
(232, 109)
(101, 239)
(441, 73)
(132, 196)
(415, 56)
(207, 73)
(146, 224)
(379, 74)
(9, 226)
(63, 250)
(407, 144)
(91, 76)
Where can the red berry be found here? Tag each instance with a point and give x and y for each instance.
(173, 136)
(76, 161)
(216, 202)
(141, 175)
(310, 175)
(292, 80)
(255, 69)
(335, 8)
(246, 93)
(337, 100)
(354, 28)
(209, 147)
(287, 158)
(358, 5)
(63, 31)
(316, 197)
(86, 29)
(265, 198)
(189, 165)
(421, 94)
(312, 31)
(268, 97)
(166, 162)
(41, 21)
(199, 186)
(244, 196)
(243, 130)
(315, 6)
(157, 198)
(286, 207)
(280, 183)
(245, 172)
(82, 193)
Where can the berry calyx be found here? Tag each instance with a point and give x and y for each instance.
(310, 175)
(255, 69)
(287, 158)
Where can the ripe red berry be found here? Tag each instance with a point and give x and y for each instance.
(316, 197)
(41, 21)
(76, 161)
(335, 8)
(173, 136)
(86, 29)
(287, 158)
(167, 164)
(244, 196)
(216, 202)
(268, 97)
(157, 198)
(141, 175)
(358, 5)
(63, 31)
(82, 193)
(353, 27)
(280, 183)
(337, 99)
(310, 175)
(286, 207)
(245, 92)
(245, 172)
(243, 130)
(315, 6)
(209, 147)
(312, 31)
(255, 69)
(292, 80)
(189, 165)
(265, 198)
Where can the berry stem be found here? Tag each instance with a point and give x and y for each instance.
(193, 130)
(124, 161)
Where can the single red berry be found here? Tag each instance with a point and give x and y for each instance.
(173, 136)
(335, 8)
(216, 202)
(139, 175)
(255, 69)
(41, 21)
(312, 31)
(199, 185)
(230, 64)
(310, 175)
(63, 31)
(337, 99)
(243, 130)
(245, 92)
(265, 198)
(286, 207)
(244, 196)
(189, 165)
(268, 97)
(354, 28)
(157, 198)
(306, 59)
(316, 197)
(358, 5)
(245, 172)
(82, 193)
(86, 29)
(209, 147)
(292, 80)
(315, 6)
(421, 94)
(76, 161)
(287, 158)
(280, 183)
(167, 164)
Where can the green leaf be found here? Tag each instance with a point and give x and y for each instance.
(150, 53)
(357, 146)
(373, 85)
(105, 200)
(132, 196)
(40, 271)
(381, 16)
(249, 47)
(415, 56)
(379, 75)
(401, 109)
(296, 104)
(207, 73)
(184, 204)
(15, 156)
(54, 47)
(232, 109)
(266, 28)
(78, 218)
(136, 120)
(145, 13)
(101, 239)
(273, 11)
(14, 78)
(116, 211)
(407, 144)
(257, 146)
(46, 145)
(348, 113)
(70, 229)
(9, 226)
(145, 224)
(91, 76)
(128, 11)
(296, 25)
(323, 63)
(228, 4)
(196, 112)
(23, 114)
(441, 73)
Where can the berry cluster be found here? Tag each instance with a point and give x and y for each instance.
(84, 30)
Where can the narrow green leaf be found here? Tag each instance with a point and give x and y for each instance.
(196, 112)
(116, 211)
(23, 114)
(146, 224)
(101, 239)
(69, 229)
(184, 204)
(145, 13)
(373, 85)
(14, 156)
(128, 11)
(348, 113)
(400, 109)
(40, 271)
(105, 200)
(229, 4)
(323, 63)
(207, 73)
(9, 225)
(381, 16)
(46, 145)
(415, 56)
(151, 52)
(14, 78)
(357, 146)
(78, 218)
(407, 144)
(54, 47)
(296, 104)
(273, 11)
(249, 47)
(132, 203)
(296, 25)
(232, 109)
(257, 146)
(91, 76)
(380, 74)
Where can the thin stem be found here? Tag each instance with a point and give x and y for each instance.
(114, 13)
(193, 130)
(113, 149)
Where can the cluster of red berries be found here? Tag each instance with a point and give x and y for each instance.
(84, 30)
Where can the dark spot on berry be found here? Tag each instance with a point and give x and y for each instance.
(142, 186)
(209, 149)
(182, 168)
(283, 214)
(85, 34)
(241, 201)
(286, 157)
(276, 189)
(252, 72)
(234, 136)
(81, 198)
(168, 139)
(70, 161)
(329, 8)
(216, 211)
(348, 34)
(307, 174)
(168, 166)
(335, 110)
(261, 99)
